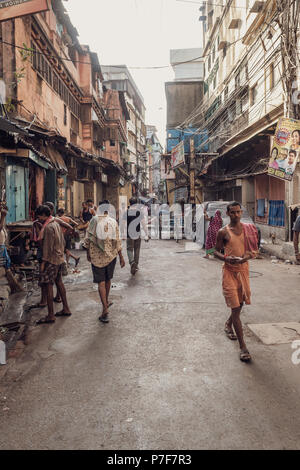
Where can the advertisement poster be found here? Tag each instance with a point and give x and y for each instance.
(177, 155)
(15, 8)
(285, 151)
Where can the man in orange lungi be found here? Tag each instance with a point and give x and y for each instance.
(240, 243)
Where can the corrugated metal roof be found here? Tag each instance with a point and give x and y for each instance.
(55, 158)
(8, 126)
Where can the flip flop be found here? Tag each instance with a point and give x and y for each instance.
(230, 334)
(42, 321)
(104, 318)
(77, 261)
(245, 356)
(63, 314)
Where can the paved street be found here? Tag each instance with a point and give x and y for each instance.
(161, 374)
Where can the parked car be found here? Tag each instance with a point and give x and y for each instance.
(211, 208)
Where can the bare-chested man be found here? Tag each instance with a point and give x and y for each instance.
(240, 243)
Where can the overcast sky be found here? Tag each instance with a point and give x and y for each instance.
(139, 33)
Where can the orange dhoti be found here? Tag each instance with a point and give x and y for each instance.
(236, 284)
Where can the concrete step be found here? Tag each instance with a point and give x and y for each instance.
(284, 251)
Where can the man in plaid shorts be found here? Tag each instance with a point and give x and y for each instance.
(52, 262)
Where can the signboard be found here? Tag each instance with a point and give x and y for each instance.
(285, 151)
(61, 193)
(177, 155)
(14, 8)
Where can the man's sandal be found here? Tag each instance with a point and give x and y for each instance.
(245, 356)
(230, 334)
(104, 318)
(62, 314)
(45, 320)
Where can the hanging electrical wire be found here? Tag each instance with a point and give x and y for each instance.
(199, 108)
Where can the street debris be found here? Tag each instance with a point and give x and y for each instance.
(76, 271)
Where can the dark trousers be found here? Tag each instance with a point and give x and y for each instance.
(133, 250)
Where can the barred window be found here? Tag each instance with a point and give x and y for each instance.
(74, 124)
(41, 64)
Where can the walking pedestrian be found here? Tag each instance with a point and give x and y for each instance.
(215, 225)
(240, 243)
(85, 216)
(103, 245)
(68, 236)
(135, 218)
(91, 206)
(53, 245)
(37, 237)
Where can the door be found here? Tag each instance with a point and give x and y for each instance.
(20, 193)
(15, 193)
(50, 187)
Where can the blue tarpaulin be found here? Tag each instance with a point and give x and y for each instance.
(276, 213)
(260, 208)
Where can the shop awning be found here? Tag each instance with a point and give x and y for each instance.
(39, 161)
(55, 158)
(8, 126)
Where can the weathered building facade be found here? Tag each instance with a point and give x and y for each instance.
(119, 78)
(243, 101)
(155, 151)
(54, 90)
(183, 95)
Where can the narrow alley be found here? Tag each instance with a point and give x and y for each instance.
(162, 374)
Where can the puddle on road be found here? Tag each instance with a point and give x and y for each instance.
(79, 278)
(115, 286)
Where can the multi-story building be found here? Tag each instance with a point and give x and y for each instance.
(155, 151)
(183, 95)
(54, 92)
(119, 78)
(243, 101)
